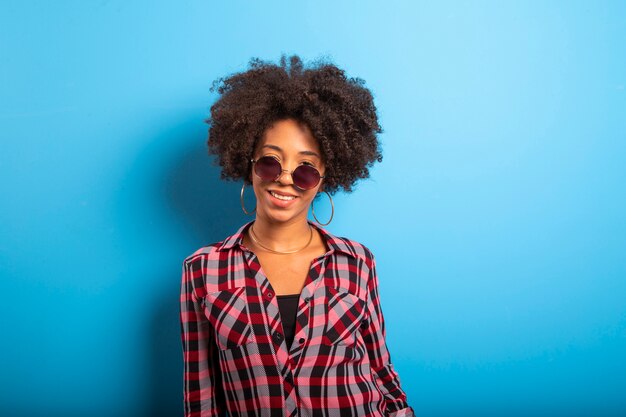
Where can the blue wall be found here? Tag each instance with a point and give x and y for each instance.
(498, 216)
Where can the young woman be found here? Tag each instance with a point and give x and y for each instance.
(283, 318)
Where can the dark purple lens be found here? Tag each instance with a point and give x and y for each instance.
(267, 168)
(306, 177)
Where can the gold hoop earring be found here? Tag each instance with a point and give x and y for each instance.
(332, 207)
(242, 205)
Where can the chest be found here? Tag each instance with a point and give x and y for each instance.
(287, 275)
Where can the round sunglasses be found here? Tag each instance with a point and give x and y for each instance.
(304, 176)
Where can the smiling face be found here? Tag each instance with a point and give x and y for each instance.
(292, 145)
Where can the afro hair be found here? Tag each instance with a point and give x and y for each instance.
(339, 112)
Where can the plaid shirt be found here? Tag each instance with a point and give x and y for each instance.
(235, 355)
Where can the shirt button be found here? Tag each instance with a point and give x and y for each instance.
(269, 294)
(301, 340)
(278, 337)
(308, 299)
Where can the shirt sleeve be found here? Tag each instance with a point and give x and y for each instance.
(202, 385)
(374, 335)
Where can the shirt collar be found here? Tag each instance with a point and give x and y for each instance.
(335, 243)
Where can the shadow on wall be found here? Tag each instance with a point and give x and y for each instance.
(206, 209)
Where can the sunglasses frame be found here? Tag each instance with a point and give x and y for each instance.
(289, 172)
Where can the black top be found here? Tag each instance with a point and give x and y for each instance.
(288, 306)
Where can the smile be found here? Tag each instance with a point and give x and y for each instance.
(282, 197)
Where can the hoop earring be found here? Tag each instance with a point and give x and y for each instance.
(332, 207)
(242, 205)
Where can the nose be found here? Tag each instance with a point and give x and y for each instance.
(285, 177)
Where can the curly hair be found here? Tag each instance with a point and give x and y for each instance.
(339, 112)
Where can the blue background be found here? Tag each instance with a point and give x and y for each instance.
(498, 215)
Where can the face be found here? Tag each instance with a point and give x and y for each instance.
(292, 145)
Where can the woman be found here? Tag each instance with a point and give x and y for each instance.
(283, 318)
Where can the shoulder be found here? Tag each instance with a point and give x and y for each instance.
(217, 265)
(209, 251)
(354, 249)
(218, 250)
(205, 270)
(356, 262)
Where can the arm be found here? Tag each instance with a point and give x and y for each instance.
(202, 385)
(374, 335)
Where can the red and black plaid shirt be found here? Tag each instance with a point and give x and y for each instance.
(235, 355)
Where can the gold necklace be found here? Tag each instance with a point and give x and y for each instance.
(253, 236)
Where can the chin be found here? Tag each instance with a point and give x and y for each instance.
(281, 216)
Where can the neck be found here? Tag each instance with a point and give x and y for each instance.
(282, 236)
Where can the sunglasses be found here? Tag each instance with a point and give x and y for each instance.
(304, 176)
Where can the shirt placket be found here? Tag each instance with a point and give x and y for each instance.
(287, 360)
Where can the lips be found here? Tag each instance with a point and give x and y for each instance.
(281, 203)
(282, 193)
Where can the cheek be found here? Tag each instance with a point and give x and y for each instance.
(309, 196)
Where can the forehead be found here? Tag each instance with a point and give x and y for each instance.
(288, 136)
